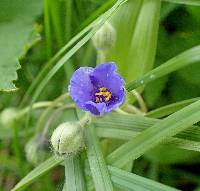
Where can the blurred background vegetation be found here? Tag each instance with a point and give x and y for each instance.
(35, 31)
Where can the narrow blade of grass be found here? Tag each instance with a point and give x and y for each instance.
(97, 12)
(74, 174)
(130, 182)
(37, 172)
(47, 29)
(97, 163)
(144, 41)
(137, 124)
(64, 187)
(130, 134)
(80, 41)
(169, 109)
(63, 51)
(124, 23)
(184, 59)
(154, 135)
(186, 2)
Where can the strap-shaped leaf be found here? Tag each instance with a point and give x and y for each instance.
(130, 134)
(37, 172)
(97, 163)
(130, 182)
(169, 109)
(154, 135)
(186, 2)
(74, 174)
(137, 124)
(92, 30)
(144, 41)
(184, 59)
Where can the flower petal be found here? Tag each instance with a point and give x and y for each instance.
(80, 87)
(104, 75)
(87, 81)
(118, 99)
(95, 108)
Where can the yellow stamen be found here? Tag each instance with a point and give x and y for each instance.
(103, 92)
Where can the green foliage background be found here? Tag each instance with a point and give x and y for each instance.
(42, 43)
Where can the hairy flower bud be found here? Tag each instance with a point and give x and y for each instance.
(68, 138)
(105, 37)
(8, 117)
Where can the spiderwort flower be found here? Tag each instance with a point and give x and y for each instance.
(97, 90)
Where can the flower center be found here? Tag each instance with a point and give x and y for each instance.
(103, 95)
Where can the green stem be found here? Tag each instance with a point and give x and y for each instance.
(37, 105)
(87, 119)
(55, 14)
(42, 120)
(68, 68)
(140, 100)
(46, 126)
(132, 109)
(101, 57)
(47, 29)
(17, 148)
(68, 19)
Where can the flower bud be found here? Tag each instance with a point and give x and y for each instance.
(8, 117)
(35, 149)
(68, 138)
(105, 37)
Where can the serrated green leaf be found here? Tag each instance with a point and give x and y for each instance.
(184, 59)
(16, 23)
(153, 136)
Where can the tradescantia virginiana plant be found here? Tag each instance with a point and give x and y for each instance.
(100, 125)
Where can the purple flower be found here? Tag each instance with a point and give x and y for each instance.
(98, 90)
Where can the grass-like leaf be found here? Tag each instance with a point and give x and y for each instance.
(184, 59)
(144, 41)
(123, 134)
(169, 109)
(124, 22)
(37, 172)
(130, 182)
(74, 174)
(153, 136)
(186, 2)
(97, 163)
(131, 125)
(92, 30)
(77, 41)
